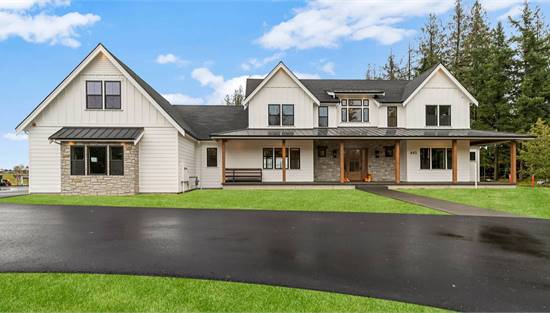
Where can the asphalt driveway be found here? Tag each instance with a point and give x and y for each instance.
(456, 262)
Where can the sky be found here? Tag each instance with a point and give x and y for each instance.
(196, 52)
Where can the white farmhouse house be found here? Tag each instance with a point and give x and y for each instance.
(104, 130)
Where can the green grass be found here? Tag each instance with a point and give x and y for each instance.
(291, 200)
(118, 293)
(522, 201)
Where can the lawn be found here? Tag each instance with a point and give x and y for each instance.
(522, 201)
(119, 293)
(291, 200)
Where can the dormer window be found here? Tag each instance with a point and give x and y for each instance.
(355, 110)
(96, 99)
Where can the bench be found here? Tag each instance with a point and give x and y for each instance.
(244, 175)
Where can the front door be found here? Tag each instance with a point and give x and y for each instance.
(353, 164)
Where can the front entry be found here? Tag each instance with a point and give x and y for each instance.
(354, 164)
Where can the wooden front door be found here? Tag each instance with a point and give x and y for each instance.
(353, 164)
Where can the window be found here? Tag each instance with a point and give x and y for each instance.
(112, 95)
(323, 116)
(388, 151)
(294, 158)
(392, 116)
(268, 158)
(97, 160)
(274, 114)
(354, 110)
(438, 115)
(431, 115)
(116, 160)
(78, 160)
(424, 158)
(211, 157)
(449, 159)
(472, 156)
(279, 158)
(94, 95)
(444, 115)
(438, 158)
(288, 114)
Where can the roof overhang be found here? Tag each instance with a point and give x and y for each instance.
(485, 140)
(98, 134)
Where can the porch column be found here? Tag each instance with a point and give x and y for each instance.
(342, 175)
(513, 170)
(283, 146)
(397, 158)
(223, 161)
(455, 161)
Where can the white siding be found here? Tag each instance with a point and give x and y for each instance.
(438, 90)
(158, 161)
(44, 161)
(187, 164)
(281, 89)
(210, 177)
(249, 154)
(415, 174)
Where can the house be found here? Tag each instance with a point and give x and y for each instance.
(104, 130)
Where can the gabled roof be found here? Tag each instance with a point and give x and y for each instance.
(208, 119)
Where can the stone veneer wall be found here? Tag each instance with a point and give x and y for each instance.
(327, 169)
(126, 184)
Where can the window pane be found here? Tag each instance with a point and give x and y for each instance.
(268, 158)
(112, 88)
(112, 102)
(77, 161)
(97, 160)
(366, 102)
(344, 115)
(274, 118)
(438, 158)
(431, 115)
(93, 88)
(424, 158)
(94, 102)
(294, 159)
(116, 162)
(392, 116)
(288, 114)
(472, 156)
(211, 157)
(323, 116)
(444, 115)
(279, 158)
(365, 114)
(355, 102)
(354, 115)
(449, 159)
(344, 102)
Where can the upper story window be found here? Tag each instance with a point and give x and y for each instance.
(96, 99)
(354, 110)
(277, 116)
(392, 116)
(438, 115)
(323, 116)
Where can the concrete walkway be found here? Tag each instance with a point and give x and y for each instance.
(6, 192)
(432, 203)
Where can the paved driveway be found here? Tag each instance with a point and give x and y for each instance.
(462, 263)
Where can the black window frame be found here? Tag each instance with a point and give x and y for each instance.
(279, 151)
(270, 115)
(433, 121)
(473, 153)
(293, 159)
(436, 154)
(425, 159)
(275, 155)
(113, 96)
(360, 114)
(323, 117)
(75, 162)
(209, 159)
(89, 160)
(392, 120)
(284, 116)
(446, 117)
(268, 154)
(114, 162)
(98, 96)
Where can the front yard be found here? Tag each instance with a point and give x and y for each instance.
(290, 200)
(522, 201)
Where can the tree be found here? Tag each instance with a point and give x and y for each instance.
(372, 73)
(408, 71)
(236, 98)
(458, 30)
(532, 69)
(535, 153)
(392, 69)
(431, 45)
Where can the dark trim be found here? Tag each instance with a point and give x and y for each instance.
(101, 94)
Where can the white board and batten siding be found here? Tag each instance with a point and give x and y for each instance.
(158, 167)
(187, 164)
(210, 177)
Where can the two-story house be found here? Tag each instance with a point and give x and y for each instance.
(104, 130)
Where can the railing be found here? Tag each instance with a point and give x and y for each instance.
(243, 175)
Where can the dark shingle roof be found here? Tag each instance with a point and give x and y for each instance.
(97, 133)
(208, 119)
(395, 90)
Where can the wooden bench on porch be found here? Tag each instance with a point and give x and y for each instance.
(243, 175)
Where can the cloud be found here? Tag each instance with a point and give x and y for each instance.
(170, 59)
(325, 23)
(328, 67)
(301, 75)
(254, 63)
(513, 12)
(179, 98)
(15, 137)
(17, 21)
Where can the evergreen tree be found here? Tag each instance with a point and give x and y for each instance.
(392, 69)
(532, 69)
(535, 153)
(236, 98)
(431, 45)
(458, 30)
(408, 71)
